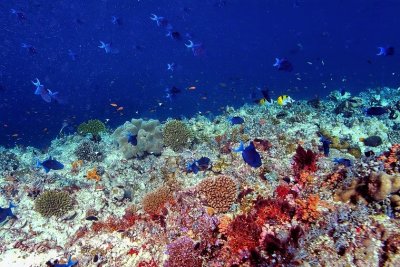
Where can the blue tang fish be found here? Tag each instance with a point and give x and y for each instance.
(250, 155)
(49, 164)
(237, 120)
(6, 212)
(70, 263)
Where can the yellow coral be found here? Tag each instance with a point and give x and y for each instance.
(92, 175)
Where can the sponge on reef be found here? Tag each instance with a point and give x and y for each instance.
(148, 134)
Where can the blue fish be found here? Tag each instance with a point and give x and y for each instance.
(325, 145)
(201, 164)
(250, 155)
(236, 120)
(283, 64)
(172, 92)
(70, 263)
(132, 139)
(376, 111)
(343, 161)
(49, 164)
(6, 212)
(385, 51)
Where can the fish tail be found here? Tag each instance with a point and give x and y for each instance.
(12, 205)
(240, 148)
(38, 163)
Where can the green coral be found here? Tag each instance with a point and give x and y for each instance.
(53, 202)
(94, 127)
(176, 135)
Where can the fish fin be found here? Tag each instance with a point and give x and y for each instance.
(46, 169)
(12, 205)
(38, 163)
(240, 148)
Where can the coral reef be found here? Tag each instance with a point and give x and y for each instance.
(139, 206)
(53, 203)
(176, 135)
(148, 134)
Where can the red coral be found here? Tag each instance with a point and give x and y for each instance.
(112, 224)
(305, 160)
(243, 233)
(271, 211)
(282, 191)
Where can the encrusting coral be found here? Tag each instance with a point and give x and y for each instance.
(176, 135)
(53, 203)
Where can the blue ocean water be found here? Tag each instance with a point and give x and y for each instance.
(331, 44)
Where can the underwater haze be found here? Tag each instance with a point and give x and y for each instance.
(219, 53)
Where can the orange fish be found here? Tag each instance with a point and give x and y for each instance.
(120, 108)
(114, 105)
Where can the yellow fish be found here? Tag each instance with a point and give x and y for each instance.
(284, 99)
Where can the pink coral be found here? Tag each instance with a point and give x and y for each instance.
(183, 252)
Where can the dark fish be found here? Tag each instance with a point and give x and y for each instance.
(203, 163)
(49, 164)
(376, 111)
(132, 139)
(176, 36)
(250, 155)
(343, 161)
(6, 212)
(236, 120)
(283, 64)
(369, 153)
(172, 92)
(265, 93)
(92, 218)
(325, 145)
(385, 51)
(198, 165)
(342, 92)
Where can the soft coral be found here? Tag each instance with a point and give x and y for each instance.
(305, 160)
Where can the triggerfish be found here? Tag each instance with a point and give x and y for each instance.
(6, 212)
(283, 100)
(70, 263)
(49, 164)
(325, 145)
(342, 161)
(198, 165)
(250, 155)
(132, 139)
(236, 120)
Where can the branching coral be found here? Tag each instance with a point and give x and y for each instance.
(89, 151)
(53, 202)
(219, 192)
(176, 135)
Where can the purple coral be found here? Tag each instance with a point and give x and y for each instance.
(183, 252)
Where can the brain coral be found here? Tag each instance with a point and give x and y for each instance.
(219, 192)
(176, 135)
(148, 135)
(53, 202)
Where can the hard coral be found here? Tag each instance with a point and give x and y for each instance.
(176, 135)
(89, 151)
(154, 202)
(380, 185)
(219, 192)
(53, 202)
(307, 209)
(183, 252)
(94, 127)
